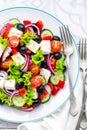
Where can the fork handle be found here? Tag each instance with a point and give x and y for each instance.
(82, 107)
(73, 106)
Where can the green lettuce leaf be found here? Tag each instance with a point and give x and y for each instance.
(5, 98)
(3, 42)
(26, 37)
(29, 95)
(38, 57)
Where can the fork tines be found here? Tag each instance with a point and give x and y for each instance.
(82, 48)
(65, 35)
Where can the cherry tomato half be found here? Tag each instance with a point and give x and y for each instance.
(34, 68)
(36, 81)
(6, 63)
(13, 41)
(56, 46)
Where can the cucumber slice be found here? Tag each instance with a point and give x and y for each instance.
(54, 79)
(18, 101)
(46, 98)
(14, 21)
(46, 32)
(44, 80)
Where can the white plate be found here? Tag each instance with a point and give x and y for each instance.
(14, 115)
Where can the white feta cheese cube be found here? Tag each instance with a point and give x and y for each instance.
(15, 32)
(1, 49)
(2, 81)
(45, 46)
(10, 84)
(45, 73)
(18, 58)
(33, 46)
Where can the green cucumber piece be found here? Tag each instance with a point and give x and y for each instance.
(44, 80)
(46, 98)
(54, 79)
(18, 101)
(46, 32)
(14, 21)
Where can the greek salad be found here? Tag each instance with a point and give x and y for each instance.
(32, 64)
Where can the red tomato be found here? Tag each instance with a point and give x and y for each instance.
(41, 96)
(51, 86)
(36, 81)
(39, 23)
(22, 91)
(25, 106)
(5, 34)
(46, 38)
(26, 22)
(61, 84)
(53, 63)
(9, 26)
(7, 29)
(28, 51)
(13, 41)
(6, 63)
(55, 90)
(35, 69)
(14, 51)
(56, 46)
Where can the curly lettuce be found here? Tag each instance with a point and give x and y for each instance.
(26, 37)
(5, 98)
(38, 57)
(3, 42)
(29, 95)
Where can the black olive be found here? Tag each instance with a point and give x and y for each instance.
(36, 102)
(19, 85)
(38, 39)
(34, 28)
(57, 55)
(43, 64)
(1, 103)
(22, 49)
(41, 89)
(20, 27)
(56, 38)
(64, 68)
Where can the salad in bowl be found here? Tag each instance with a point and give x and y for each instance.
(32, 64)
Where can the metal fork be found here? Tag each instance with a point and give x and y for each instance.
(68, 51)
(82, 121)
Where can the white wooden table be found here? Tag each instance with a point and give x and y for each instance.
(70, 12)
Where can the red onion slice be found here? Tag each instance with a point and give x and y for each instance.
(2, 28)
(7, 92)
(28, 61)
(33, 25)
(3, 74)
(15, 92)
(47, 87)
(28, 109)
(49, 65)
(6, 53)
